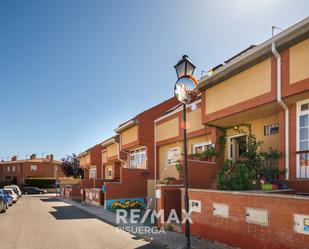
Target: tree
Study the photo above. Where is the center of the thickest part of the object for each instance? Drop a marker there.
(70, 166)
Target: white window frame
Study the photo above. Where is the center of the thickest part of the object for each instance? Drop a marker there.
(13, 168)
(298, 113)
(206, 143)
(172, 149)
(91, 170)
(229, 138)
(137, 151)
(8, 169)
(33, 168)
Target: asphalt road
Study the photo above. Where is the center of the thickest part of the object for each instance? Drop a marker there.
(44, 222)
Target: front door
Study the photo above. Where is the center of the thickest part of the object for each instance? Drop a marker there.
(237, 147)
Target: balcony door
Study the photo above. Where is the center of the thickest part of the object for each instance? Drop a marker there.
(302, 154)
(236, 145)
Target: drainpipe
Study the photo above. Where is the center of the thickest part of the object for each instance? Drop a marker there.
(284, 107)
(155, 165)
(119, 149)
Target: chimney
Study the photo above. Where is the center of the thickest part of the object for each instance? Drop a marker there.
(33, 156)
(14, 158)
(51, 157)
(47, 157)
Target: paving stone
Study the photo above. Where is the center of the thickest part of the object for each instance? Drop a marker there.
(170, 239)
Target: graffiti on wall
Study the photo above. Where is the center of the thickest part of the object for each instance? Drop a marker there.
(126, 203)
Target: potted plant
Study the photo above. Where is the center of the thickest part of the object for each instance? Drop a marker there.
(195, 156)
(179, 168)
(166, 180)
(211, 154)
(266, 185)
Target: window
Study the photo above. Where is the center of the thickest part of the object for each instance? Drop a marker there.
(8, 169)
(33, 167)
(303, 120)
(271, 129)
(138, 158)
(302, 168)
(13, 168)
(173, 155)
(93, 172)
(200, 147)
(109, 172)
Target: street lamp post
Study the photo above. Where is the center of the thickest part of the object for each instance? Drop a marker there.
(185, 91)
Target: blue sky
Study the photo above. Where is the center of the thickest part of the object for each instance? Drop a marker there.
(71, 71)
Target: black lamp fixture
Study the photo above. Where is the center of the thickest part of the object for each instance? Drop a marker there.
(185, 91)
(184, 67)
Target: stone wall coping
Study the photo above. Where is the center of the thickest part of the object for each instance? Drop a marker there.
(251, 193)
(169, 185)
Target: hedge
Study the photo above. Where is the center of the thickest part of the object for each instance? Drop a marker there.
(41, 182)
(5, 182)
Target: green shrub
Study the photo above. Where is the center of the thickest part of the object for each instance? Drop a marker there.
(179, 168)
(5, 182)
(237, 177)
(41, 182)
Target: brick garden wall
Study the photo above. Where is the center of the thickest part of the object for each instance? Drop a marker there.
(201, 174)
(93, 196)
(235, 231)
(133, 184)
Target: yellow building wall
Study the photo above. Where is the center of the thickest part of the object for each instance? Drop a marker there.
(112, 150)
(104, 156)
(248, 84)
(107, 167)
(167, 129)
(299, 62)
(258, 130)
(129, 135)
(194, 120)
(84, 160)
(166, 170)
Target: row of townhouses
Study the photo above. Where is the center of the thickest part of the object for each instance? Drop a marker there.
(17, 171)
(266, 86)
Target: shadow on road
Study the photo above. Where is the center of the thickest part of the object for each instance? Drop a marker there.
(52, 199)
(70, 212)
(151, 246)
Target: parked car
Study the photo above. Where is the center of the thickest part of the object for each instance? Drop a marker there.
(3, 205)
(15, 188)
(33, 190)
(11, 193)
(7, 198)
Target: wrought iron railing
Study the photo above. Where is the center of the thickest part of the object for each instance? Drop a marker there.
(302, 164)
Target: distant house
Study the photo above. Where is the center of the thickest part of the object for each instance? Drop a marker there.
(91, 162)
(17, 171)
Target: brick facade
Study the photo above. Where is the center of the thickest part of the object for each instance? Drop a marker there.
(95, 160)
(20, 170)
(234, 230)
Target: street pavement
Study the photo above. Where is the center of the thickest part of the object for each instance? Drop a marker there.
(45, 222)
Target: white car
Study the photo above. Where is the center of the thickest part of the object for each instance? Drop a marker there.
(15, 188)
(10, 192)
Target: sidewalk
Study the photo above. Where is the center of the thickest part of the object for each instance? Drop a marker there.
(170, 239)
